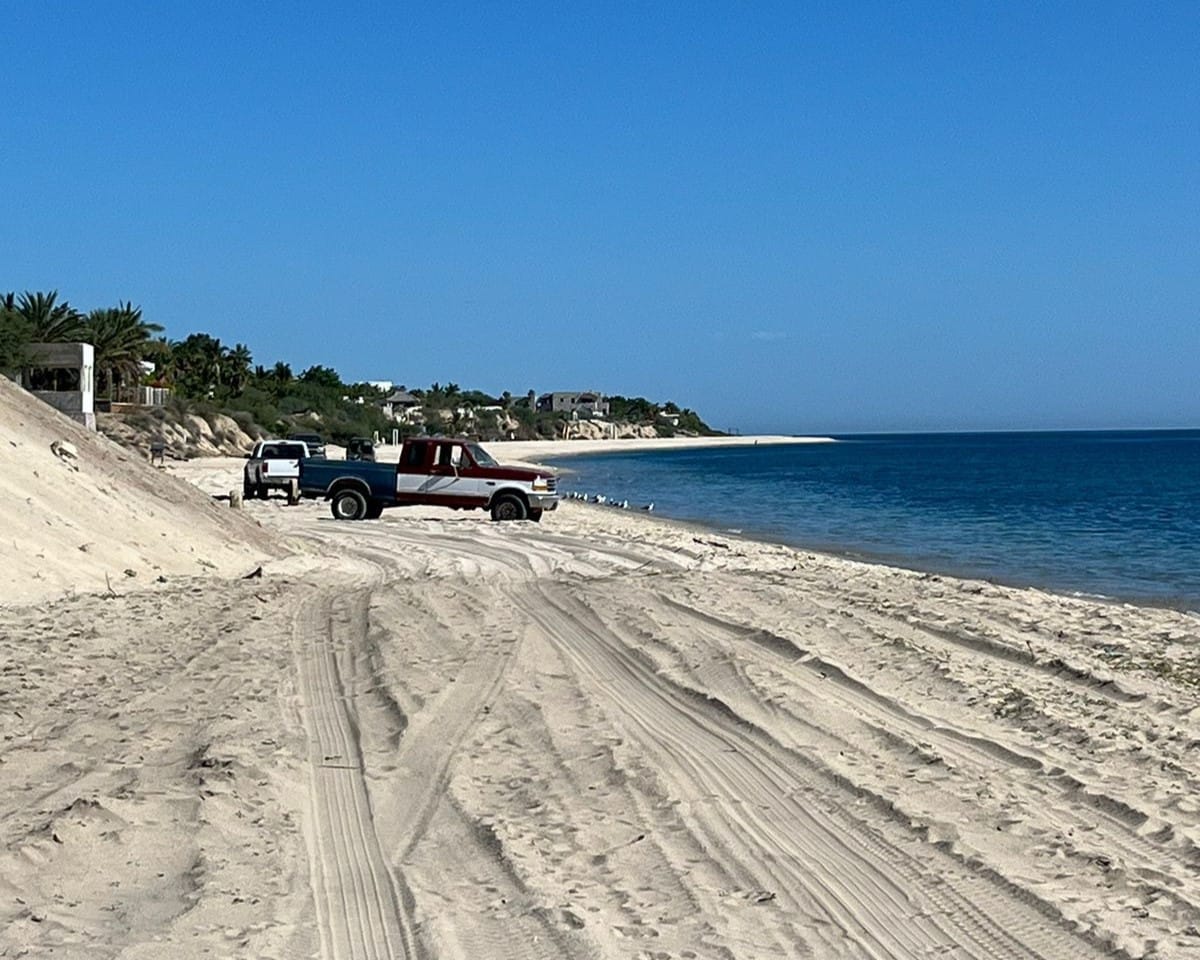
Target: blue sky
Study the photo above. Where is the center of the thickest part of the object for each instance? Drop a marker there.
(795, 217)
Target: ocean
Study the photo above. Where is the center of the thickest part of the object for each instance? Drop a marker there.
(1107, 513)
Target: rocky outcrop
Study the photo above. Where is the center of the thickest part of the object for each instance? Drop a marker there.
(608, 430)
(183, 437)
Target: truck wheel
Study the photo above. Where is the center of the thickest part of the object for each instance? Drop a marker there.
(263, 491)
(247, 490)
(348, 505)
(374, 510)
(535, 516)
(508, 506)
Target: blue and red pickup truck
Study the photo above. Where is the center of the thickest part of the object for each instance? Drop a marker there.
(431, 470)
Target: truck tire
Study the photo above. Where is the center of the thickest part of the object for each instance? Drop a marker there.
(535, 516)
(263, 492)
(247, 489)
(348, 505)
(508, 506)
(374, 510)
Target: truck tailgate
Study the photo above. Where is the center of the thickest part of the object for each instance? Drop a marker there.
(281, 469)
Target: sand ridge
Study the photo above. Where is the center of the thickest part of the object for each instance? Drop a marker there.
(98, 516)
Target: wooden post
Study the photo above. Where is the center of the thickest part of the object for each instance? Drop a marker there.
(235, 499)
(293, 492)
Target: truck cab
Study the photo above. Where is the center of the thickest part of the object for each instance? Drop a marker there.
(462, 474)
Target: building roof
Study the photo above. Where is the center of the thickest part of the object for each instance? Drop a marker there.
(400, 396)
(594, 394)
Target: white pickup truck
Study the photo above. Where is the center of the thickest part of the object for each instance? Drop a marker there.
(272, 463)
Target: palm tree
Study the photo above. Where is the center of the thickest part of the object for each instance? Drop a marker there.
(16, 333)
(196, 364)
(121, 339)
(52, 322)
(215, 361)
(159, 350)
(237, 367)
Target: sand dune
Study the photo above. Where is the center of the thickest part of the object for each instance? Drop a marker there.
(604, 735)
(81, 522)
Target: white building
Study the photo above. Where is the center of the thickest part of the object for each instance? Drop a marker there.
(64, 376)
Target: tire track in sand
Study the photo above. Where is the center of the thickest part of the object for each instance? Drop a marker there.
(856, 890)
(358, 907)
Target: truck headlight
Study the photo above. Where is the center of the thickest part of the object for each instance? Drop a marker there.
(541, 485)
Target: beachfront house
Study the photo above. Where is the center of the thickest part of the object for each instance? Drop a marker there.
(63, 375)
(400, 405)
(586, 402)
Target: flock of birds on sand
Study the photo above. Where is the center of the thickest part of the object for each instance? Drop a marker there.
(605, 501)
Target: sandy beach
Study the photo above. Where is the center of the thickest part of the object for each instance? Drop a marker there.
(605, 735)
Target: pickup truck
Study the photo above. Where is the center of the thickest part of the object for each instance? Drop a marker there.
(272, 463)
(431, 470)
(316, 446)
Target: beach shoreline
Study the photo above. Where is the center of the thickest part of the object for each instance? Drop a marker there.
(525, 716)
(217, 475)
(524, 450)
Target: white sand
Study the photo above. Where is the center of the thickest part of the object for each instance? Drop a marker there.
(81, 523)
(535, 450)
(604, 735)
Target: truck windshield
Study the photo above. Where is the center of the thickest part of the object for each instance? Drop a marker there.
(481, 457)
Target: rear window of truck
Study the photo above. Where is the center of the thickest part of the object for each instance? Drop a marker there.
(283, 451)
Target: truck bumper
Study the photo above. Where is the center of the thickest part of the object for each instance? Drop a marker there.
(543, 501)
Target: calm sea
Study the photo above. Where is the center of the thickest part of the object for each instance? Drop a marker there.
(1109, 513)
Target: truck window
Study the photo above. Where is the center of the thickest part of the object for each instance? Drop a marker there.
(414, 455)
(480, 456)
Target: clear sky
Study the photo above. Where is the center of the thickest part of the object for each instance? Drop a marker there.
(795, 217)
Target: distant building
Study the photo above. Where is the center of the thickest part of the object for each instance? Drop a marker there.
(399, 405)
(575, 401)
(63, 375)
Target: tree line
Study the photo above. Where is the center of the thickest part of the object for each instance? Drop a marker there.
(206, 376)
(119, 335)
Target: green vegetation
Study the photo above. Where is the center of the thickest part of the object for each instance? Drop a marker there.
(120, 336)
(667, 419)
(16, 333)
(206, 377)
